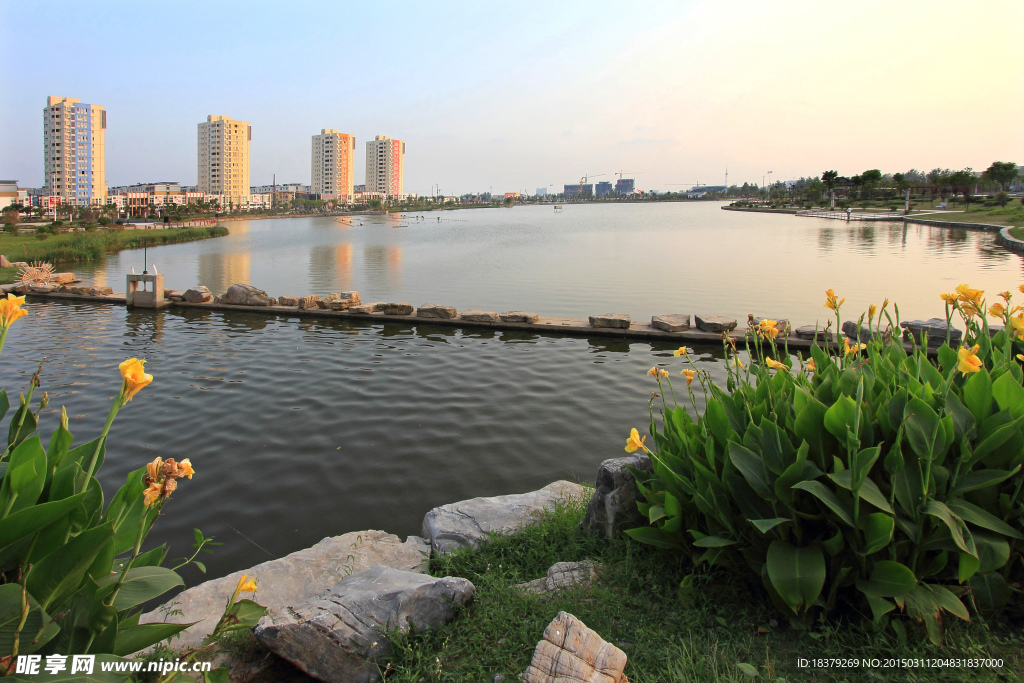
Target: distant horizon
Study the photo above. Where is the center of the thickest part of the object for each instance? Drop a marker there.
(671, 94)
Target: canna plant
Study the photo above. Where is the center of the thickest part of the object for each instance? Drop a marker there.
(869, 479)
(73, 574)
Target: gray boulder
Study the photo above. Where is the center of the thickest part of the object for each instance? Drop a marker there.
(197, 295)
(612, 320)
(863, 335)
(402, 308)
(242, 294)
(519, 317)
(292, 579)
(715, 323)
(612, 508)
(477, 316)
(810, 331)
(436, 311)
(562, 576)
(341, 634)
(676, 322)
(468, 523)
(934, 327)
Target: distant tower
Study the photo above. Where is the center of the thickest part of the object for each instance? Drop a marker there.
(224, 158)
(726, 177)
(385, 166)
(75, 151)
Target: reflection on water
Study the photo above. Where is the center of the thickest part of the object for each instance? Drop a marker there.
(642, 259)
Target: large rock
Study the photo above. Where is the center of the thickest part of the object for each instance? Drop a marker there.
(4, 263)
(572, 653)
(436, 311)
(612, 508)
(675, 322)
(861, 335)
(340, 635)
(197, 295)
(935, 328)
(366, 309)
(245, 295)
(519, 317)
(310, 301)
(288, 301)
(811, 331)
(475, 315)
(468, 523)
(402, 308)
(612, 320)
(715, 323)
(62, 278)
(293, 578)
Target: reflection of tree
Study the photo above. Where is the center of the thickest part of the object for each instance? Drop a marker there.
(219, 271)
(826, 239)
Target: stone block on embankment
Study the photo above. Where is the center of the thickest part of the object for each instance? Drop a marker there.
(935, 328)
(611, 320)
(715, 323)
(340, 635)
(468, 523)
(675, 322)
(612, 509)
(809, 332)
(288, 300)
(570, 652)
(864, 334)
(367, 308)
(310, 301)
(242, 294)
(341, 301)
(519, 317)
(173, 294)
(62, 278)
(401, 308)
(197, 295)
(475, 315)
(292, 579)
(436, 311)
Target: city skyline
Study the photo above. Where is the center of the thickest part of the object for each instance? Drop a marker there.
(674, 93)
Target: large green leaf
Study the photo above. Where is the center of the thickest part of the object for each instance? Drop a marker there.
(766, 525)
(26, 477)
(752, 469)
(25, 523)
(991, 592)
(977, 395)
(37, 630)
(59, 573)
(961, 536)
(878, 528)
(993, 551)
(141, 584)
(924, 433)
(971, 513)
(869, 490)
(134, 638)
(889, 579)
(1009, 394)
(980, 479)
(654, 536)
(840, 416)
(798, 574)
(829, 498)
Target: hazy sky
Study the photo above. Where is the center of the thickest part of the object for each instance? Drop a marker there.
(516, 96)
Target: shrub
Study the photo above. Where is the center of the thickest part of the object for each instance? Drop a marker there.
(11, 216)
(104, 221)
(11, 228)
(1002, 199)
(872, 482)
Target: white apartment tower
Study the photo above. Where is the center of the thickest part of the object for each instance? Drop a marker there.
(333, 165)
(75, 151)
(224, 158)
(385, 166)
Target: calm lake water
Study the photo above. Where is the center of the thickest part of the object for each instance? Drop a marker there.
(306, 428)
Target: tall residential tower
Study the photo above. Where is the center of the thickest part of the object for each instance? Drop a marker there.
(224, 158)
(334, 165)
(385, 166)
(75, 151)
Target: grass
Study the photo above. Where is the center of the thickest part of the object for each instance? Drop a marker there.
(62, 248)
(704, 634)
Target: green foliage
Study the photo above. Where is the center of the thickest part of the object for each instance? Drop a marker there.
(872, 483)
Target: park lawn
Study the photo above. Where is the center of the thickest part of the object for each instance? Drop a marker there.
(63, 248)
(993, 215)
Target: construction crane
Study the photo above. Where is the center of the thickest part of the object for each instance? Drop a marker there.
(621, 173)
(583, 181)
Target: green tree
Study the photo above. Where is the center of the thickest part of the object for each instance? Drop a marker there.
(11, 216)
(829, 178)
(900, 181)
(870, 180)
(1002, 172)
(963, 182)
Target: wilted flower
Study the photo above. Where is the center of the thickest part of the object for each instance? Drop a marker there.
(774, 364)
(968, 360)
(11, 310)
(689, 374)
(832, 301)
(634, 442)
(133, 372)
(152, 493)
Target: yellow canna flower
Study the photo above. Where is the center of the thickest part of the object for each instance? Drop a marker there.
(968, 359)
(653, 372)
(634, 442)
(1017, 323)
(767, 329)
(681, 351)
(949, 298)
(996, 310)
(884, 304)
(1020, 356)
(152, 493)
(849, 348)
(1006, 295)
(969, 295)
(11, 310)
(1021, 288)
(245, 584)
(135, 378)
(832, 301)
(871, 312)
(811, 367)
(689, 374)
(774, 364)
(737, 362)
(185, 468)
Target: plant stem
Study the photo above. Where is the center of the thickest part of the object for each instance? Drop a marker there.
(102, 440)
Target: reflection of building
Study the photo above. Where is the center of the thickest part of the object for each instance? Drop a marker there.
(224, 158)
(219, 271)
(333, 165)
(385, 166)
(624, 186)
(74, 160)
(603, 188)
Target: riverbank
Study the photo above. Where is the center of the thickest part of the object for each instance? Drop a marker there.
(63, 248)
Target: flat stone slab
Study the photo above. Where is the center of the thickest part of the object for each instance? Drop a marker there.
(292, 579)
(809, 332)
(518, 317)
(288, 300)
(572, 653)
(715, 323)
(563, 576)
(341, 634)
(936, 330)
(402, 308)
(368, 308)
(468, 523)
(613, 320)
(674, 322)
(436, 311)
(475, 315)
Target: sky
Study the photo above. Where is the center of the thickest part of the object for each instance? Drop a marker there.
(521, 95)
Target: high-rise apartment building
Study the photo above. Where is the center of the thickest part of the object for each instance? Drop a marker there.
(224, 158)
(75, 151)
(385, 166)
(333, 165)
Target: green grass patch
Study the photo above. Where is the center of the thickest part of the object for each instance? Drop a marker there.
(69, 247)
(702, 634)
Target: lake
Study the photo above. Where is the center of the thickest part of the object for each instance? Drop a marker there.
(302, 428)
